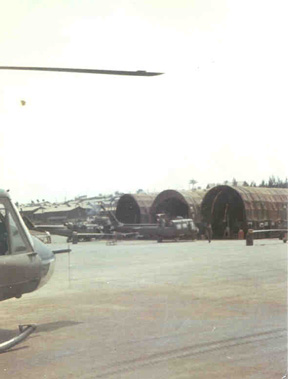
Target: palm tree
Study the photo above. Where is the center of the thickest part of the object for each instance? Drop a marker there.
(192, 182)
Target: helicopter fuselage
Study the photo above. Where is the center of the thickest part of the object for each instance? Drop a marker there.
(25, 262)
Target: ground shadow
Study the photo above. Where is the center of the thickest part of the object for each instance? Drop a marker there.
(6, 334)
(49, 327)
(14, 349)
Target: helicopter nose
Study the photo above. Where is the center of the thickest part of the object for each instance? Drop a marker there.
(47, 269)
(47, 259)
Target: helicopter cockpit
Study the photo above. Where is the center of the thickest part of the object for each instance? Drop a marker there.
(13, 239)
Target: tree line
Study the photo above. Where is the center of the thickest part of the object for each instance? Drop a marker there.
(272, 182)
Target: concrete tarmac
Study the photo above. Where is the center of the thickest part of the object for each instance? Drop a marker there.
(183, 310)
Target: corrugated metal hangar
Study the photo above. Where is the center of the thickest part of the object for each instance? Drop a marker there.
(232, 207)
(244, 207)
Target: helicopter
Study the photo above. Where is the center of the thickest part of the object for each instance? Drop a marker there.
(26, 263)
(179, 228)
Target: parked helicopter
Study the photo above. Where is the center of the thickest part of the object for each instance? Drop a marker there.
(26, 263)
(163, 230)
(59, 230)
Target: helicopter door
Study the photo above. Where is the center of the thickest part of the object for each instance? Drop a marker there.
(19, 266)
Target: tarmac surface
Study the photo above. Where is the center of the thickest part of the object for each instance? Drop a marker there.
(149, 310)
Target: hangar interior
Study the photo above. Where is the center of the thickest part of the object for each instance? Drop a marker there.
(223, 207)
(174, 203)
(172, 207)
(128, 210)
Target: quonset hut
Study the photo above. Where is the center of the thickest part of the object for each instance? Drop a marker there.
(173, 203)
(135, 209)
(243, 208)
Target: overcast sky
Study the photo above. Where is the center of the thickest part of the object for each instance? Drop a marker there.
(219, 111)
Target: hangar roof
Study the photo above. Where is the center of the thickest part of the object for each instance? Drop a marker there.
(259, 203)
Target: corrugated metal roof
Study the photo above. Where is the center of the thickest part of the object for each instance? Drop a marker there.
(31, 208)
(264, 203)
(144, 200)
(260, 204)
(58, 208)
(193, 197)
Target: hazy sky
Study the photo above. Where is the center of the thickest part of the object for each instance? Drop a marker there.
(219, 111)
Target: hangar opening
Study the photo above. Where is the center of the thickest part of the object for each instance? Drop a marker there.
(128, 210)
(224, 208)
(173, 203)
(135, 209)
(172, 207)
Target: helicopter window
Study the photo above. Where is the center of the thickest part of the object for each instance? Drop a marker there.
(18, 245)
(3, 232)
(191, 225)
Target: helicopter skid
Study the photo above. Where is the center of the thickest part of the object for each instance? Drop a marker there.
(25, 331)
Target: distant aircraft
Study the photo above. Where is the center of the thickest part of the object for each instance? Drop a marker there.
(176, 229)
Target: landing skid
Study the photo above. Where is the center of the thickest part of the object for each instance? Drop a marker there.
(25, 331)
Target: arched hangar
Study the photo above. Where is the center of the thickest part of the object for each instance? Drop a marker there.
(244, 207)
(178, 203)
(135, 209)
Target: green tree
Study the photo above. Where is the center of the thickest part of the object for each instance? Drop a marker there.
(272, 181)
(192, 182)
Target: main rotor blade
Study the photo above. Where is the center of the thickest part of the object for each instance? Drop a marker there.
(83, 71)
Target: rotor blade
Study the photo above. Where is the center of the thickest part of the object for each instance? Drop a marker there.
(83, 71)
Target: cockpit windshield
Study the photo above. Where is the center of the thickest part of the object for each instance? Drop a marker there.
(22, 224)
(3, 231)
(14, 238)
